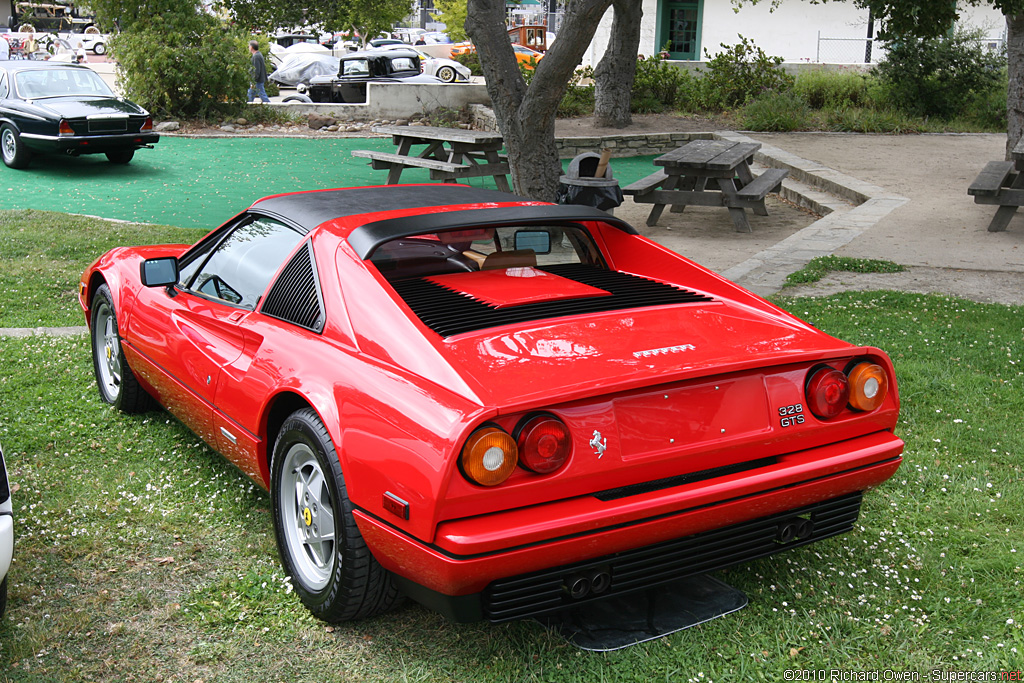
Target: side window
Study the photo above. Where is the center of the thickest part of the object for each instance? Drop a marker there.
(4, 88)
(238, 270)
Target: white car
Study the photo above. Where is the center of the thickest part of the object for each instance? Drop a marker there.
(447, 70)
(6, 532)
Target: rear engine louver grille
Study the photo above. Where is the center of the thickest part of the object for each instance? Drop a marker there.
(449, 313)
(632, 570)
(295, 297)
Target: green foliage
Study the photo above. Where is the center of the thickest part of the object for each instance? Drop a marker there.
(939, 76)
(470, 60)
(776, 111)
(659, 86)
(821, 266)
(823, 89)
(129, 13)
(185, 66)
(870, 120)
(453, 16)
(579, 96)
(740, 73)
(367, 17)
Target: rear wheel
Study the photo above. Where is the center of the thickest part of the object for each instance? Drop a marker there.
(298, 98)
(121, 156)
(332, 570)
(115, 379)
(13, 150)
(99, 48)
(3, 596)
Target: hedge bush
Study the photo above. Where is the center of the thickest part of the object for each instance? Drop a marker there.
(183, 65)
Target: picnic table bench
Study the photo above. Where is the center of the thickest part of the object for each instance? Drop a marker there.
(450, 154)
(708, 173)
(1001, 183)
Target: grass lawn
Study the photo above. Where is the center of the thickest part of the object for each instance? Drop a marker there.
(143, 556)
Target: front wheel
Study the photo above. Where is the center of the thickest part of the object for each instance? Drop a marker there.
(120, 156)
(446, 74)
(99, 48)
(332, 570)
(298, 98)
(15, 153)
(115, 379)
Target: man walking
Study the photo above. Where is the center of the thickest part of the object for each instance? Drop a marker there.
(259, 74)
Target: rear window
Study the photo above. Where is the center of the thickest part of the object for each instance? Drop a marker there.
(465, 251)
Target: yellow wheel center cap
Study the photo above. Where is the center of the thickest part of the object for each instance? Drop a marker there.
(307, 516)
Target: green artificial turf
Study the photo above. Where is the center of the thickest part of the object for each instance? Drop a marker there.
(201, 182)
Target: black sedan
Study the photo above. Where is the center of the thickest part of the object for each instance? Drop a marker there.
(67, 108)
(359, 68)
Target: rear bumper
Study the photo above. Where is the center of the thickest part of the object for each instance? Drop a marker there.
(457, 573)
(89, 144)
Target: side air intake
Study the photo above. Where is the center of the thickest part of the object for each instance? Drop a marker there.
(295, 296)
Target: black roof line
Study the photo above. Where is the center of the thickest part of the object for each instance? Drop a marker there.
(366, 238)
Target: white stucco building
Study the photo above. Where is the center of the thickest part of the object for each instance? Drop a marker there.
(797, 31)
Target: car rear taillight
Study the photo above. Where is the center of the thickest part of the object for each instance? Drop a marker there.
(65, 128)
(828, 392)
(147, 124)
(544, 444)
(489, 456)
(868, 386)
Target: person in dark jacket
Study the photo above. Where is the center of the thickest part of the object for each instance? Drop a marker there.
(259, 74)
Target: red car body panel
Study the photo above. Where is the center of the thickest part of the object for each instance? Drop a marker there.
(666, 391)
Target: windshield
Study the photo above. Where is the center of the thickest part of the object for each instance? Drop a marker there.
(39, 83)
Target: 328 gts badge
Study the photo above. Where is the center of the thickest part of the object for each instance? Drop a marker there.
(791, 415)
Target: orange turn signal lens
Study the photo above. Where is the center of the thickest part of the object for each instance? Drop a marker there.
(489, 456)
(65, 128)
(868, 386)
(147, 124)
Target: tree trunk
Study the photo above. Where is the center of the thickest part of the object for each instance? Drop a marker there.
(614, 76)
(1015, 90)
(526, 114)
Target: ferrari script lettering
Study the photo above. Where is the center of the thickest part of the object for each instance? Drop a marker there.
(665, 349)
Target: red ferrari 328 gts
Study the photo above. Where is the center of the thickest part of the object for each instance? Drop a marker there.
(496, 406)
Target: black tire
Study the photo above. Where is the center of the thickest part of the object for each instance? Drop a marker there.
(121, 156)
(14, 152)
(99, 48)
(298, 98)
(337, 578)
(446, 74)
(117, 383)
(3, 597)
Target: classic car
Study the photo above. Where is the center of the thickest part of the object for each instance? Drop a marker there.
(6, 531)
(496, 406)
(66, 108)
(447, 70)
(356, 69)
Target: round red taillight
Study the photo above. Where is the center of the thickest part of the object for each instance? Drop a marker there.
(868, 386)
(544, 444)
(828, 392)
(489, 456)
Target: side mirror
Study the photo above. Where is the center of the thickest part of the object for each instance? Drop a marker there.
(537, 240)
(159, 272)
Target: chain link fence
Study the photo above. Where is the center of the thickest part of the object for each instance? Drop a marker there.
(872, 51)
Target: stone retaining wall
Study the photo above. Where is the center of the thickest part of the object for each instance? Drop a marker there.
(635, 145)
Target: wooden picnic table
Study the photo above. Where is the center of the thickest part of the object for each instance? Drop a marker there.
(1001, 183)
(708, 173)
(450, 154)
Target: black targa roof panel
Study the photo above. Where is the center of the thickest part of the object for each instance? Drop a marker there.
(311, 209)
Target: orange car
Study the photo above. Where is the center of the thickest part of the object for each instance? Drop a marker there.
(524, 55)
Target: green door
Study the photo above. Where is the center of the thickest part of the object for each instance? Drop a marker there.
(680, 29)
